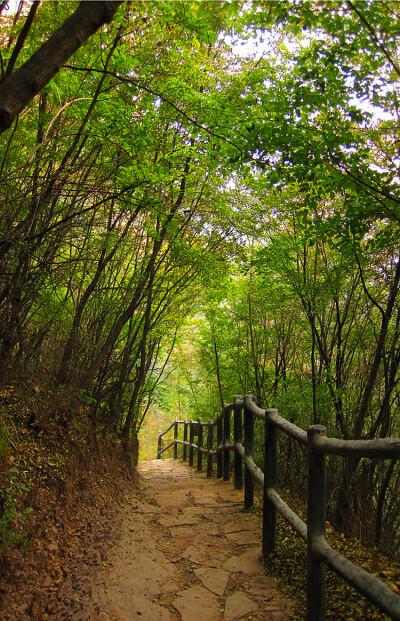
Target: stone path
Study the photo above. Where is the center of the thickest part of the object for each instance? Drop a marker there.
(188, 552)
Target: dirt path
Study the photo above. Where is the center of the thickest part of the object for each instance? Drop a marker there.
(187, 551)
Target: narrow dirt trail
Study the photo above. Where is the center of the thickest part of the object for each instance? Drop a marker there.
(187, 552)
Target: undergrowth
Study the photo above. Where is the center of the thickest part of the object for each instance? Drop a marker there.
(12, 516)
(288, 565)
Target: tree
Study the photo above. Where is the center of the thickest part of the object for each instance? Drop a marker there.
(19, 87)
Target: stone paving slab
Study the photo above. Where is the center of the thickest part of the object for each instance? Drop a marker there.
(215, 580)
(241, 523)
(243, 538)
(197, 603)
(237, 606)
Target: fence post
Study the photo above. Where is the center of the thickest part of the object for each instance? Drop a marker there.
(184, 452)
(199, 447)
(227, 453)
(316, 520)
(159, 445)
(219, 442)
(237, 438)
(210, 443)
(191, 437)
(248, 452)
(270, 479)
(175, 439)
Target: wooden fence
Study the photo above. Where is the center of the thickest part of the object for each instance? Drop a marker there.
(319, 552)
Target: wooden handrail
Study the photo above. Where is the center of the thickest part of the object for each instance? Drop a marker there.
(219, 446)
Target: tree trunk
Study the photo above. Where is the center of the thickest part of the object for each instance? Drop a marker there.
(381, 501)
(379, 351)
(217, 368)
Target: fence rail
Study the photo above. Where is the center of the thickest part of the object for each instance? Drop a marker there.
(247, 473)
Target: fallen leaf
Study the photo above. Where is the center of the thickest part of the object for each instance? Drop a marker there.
(47, 581)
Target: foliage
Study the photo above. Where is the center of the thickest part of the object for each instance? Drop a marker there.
(11, 513)
(181, 222)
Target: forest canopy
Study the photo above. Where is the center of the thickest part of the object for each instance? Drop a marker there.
(200, 199)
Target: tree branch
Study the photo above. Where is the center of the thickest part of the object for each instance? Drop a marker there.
(375, 37)
(21, 39)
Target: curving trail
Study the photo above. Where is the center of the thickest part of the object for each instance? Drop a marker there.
(187, 551)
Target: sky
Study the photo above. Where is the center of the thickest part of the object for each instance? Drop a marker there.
(12, 6)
